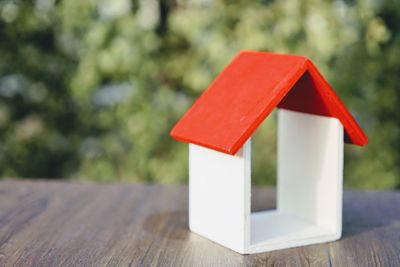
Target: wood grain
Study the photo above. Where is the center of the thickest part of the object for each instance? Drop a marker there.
(72, 224)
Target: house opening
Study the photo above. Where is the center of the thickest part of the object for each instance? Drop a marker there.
(308, 167)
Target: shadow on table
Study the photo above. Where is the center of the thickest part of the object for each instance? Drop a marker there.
(369, 211)
(170, 225)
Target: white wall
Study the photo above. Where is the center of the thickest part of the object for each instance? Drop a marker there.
(310, 168)
(219, 196)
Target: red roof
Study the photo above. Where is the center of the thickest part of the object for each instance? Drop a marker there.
(246, 92)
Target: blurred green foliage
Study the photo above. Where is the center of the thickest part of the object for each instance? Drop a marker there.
(90, 89)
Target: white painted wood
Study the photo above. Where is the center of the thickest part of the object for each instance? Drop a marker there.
(273, 230)
(309, 204)
(219, 196)
(310, 179)
(310, 168)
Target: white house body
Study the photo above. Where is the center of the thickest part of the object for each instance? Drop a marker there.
(309, 197)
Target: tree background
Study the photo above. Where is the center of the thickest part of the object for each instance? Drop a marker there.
(90, 89)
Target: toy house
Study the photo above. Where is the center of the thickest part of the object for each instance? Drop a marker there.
(312, 125)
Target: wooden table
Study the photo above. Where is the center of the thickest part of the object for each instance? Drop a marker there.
(72, 224)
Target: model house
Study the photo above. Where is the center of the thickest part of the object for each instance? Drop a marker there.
(312, 126)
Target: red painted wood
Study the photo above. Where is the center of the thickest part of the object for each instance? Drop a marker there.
(246, 92)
